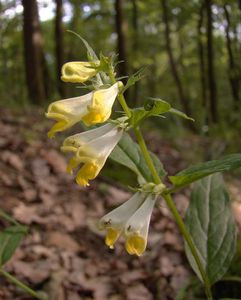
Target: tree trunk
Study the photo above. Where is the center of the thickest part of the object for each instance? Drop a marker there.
(59, 45)
(135, 47)
(121, 28)
(202, 58)
(234, 81)
(33, 52)
(210, 59)
(173, 66)
(239, 5)
(76, 26)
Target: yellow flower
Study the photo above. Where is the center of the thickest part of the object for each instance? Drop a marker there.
(136, 229)
(92, 108)
(78, 71)
(114, 222)
(91, 149)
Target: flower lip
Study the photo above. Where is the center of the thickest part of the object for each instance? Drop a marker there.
(135, 245)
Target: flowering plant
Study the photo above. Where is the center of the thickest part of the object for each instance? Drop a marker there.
(208, 230)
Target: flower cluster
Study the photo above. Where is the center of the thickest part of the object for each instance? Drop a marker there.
(90, 150)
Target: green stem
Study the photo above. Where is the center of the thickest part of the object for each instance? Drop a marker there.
(165, 195)
(21, 285)
(147, 156)
(138, 133)
(189, 241)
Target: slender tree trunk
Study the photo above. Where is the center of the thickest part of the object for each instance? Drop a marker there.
(135, 47)
(239, 5)
(121, 28)
(33, 52)
(210, 59)
(202, 57)
(59, 45)
(76, 26)
(173, 66)
(234, 81)
(181, 51)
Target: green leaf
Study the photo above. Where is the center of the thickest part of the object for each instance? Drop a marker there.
(226, 163)
(211, 225)
(10, 238)
(128, 154)
(133, 79)
(153, 107)
(90, 52)
(180, 114)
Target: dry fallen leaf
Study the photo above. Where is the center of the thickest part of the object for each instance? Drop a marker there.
(62, 241)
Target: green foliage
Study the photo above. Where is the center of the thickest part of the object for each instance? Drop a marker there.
(211, 225)
(153, 107)
(128, 154)
(133, 79)
(227, 163)
(10, 239)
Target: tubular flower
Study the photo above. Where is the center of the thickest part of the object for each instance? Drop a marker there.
(91, 149)
(114, 222)
(136, 229)
(92, 108)
(78, 71)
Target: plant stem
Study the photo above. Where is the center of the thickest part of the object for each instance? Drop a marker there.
(138, 134)
(147, 156)
(21, 285)
(167, 197)
(189, 241)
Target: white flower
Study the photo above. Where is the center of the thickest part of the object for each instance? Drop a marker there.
(79, 71)
(92, 108)
(91, 148)
(136, 228)
(114, 222)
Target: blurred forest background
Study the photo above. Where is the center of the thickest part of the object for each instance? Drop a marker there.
(192, 51)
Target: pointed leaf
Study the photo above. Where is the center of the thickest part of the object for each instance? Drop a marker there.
(90, 52)
(133, 79)
(226, 163)
(211, 225)
(10, 238)
(180, 114)
(128, 153)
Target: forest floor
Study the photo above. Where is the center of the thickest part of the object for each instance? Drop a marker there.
(64, 253)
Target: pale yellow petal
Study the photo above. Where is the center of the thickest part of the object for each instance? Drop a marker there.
(78, 72)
